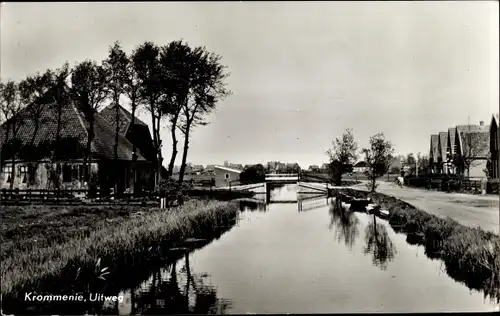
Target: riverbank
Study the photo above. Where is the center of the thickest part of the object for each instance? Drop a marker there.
(470, 255)
(43, 244)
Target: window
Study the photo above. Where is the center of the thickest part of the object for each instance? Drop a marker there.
(67, 173)
(226, 176)
(23, 173)
(7, 171)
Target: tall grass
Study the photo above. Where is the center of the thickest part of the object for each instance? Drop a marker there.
(470, 255)
(24, 266)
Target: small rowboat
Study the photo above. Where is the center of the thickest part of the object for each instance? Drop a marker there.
(384, 213)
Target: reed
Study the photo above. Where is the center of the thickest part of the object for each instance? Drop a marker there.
(42, 243)
(470, 255)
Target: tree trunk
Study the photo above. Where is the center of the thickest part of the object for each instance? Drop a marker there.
(86, 159)
(160, 156)
(117, 131)
(184, 154)
(134, 149)
(155, 142)
(13, 177)
(173, 127)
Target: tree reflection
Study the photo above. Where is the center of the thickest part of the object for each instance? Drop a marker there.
(345, 224)
(178, 291)
(252, 205)
(379, 244)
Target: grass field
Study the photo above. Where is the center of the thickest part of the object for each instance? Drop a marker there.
(40, 243)
(470, 255)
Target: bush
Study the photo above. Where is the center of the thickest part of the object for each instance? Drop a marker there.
(492, 186)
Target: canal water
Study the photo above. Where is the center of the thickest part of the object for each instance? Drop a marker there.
(303, 257)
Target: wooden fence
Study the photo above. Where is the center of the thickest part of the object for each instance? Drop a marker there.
(73, 197)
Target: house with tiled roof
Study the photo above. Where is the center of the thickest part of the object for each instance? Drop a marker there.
(494, 146)
(33, 166)
(472, 149)
(433, 153)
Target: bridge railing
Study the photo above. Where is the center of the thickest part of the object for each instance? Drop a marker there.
(282, 175)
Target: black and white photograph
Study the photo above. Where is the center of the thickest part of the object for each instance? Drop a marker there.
(249, 157)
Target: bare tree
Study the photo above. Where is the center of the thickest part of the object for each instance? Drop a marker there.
(11, 107)
(474, 149)
(88, 82)
(343, 155)
(147, 66)
(207, 88)
(378, 158)
(116, 69)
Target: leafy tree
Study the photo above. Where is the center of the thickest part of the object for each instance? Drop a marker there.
(378, 158)
(147, 66)
(89, 85)
(131, 88)
(207, 88)
(253, 174)
(423, 163)
(177, 77)
(395, 170)
(116, 70)
(32, 90)
(342, 156)
(61, 98)
(11, 107)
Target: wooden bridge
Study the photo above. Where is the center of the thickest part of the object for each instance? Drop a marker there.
(283, 178)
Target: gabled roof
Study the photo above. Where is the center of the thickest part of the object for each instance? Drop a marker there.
(495, 120)
(124, 118)
(443, 141)
(227, 169)
(451, 138)
(74, 127)
(434, 146)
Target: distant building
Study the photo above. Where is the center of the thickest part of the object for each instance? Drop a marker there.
(236, 166)
(313, 168)
(360, 167)
(494, 146)
(224, 175)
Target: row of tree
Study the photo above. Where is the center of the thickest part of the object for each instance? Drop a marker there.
(176, 84)
(378, 157)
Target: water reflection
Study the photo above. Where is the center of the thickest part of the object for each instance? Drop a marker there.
(346, 225)
(306, 202)
(378, 244)
(172, 290)
(253, 205)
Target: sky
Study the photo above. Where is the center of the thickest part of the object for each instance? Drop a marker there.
(300, 72)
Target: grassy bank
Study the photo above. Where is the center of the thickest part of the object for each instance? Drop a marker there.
(40, 244)
(470, 255)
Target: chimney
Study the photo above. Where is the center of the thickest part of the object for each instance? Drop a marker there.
(481, 123)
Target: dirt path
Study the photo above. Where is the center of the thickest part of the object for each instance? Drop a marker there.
(470, 210)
